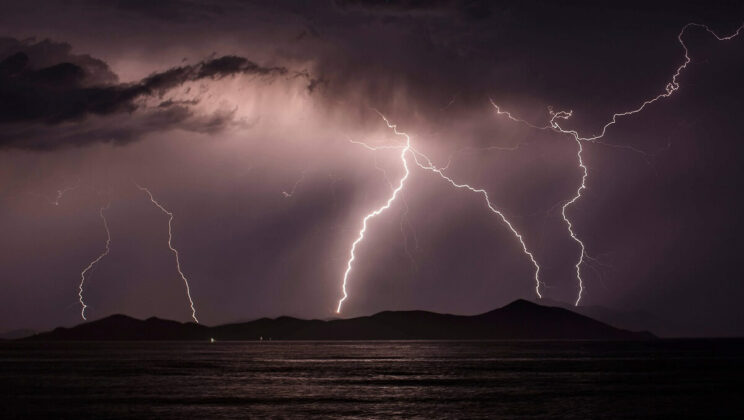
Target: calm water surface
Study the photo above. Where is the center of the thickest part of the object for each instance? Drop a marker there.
(423, 379)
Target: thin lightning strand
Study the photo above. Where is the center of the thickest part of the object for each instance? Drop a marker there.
(430, 167)
(479, 149)
(515, 119)
(404, 150)
(174, 250)
(669, 90)
(290, 193)
(63, 191)
(95, 261)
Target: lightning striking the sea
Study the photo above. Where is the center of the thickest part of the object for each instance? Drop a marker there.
(174, 250)
(95, 261)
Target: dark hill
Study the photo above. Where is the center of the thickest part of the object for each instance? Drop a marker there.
(15, 334)
(122, 328)
(518, 320)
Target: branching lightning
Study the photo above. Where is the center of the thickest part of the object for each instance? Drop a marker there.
(554, 125)
(174, 250)
(407, 151)
(429, 166)
(669, 89)
(95, 261)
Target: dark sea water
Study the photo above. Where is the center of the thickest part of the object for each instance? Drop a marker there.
(421, 379)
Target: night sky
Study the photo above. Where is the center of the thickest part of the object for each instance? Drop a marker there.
(241, 119)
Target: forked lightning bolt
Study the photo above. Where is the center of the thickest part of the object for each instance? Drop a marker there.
(95, 261)
(174, 250)
(669, 89)
(408, 149)
(554, 125)
(423, 162)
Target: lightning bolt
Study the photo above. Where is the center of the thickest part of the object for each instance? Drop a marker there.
(95, 261)
(404, 217)
(429, 166)
(554, 125)
(576, 197)
(352, 256)
(174, 250)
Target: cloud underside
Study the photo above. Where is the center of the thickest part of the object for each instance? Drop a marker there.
(50, 98)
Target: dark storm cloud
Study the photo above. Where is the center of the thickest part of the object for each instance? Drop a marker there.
(169, 10)
(528, 54)
(120, 128)
(43, 86)
(470, 8)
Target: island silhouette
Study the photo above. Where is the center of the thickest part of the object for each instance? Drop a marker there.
(519, 320)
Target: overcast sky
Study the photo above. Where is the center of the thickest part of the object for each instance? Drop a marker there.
(242, 120)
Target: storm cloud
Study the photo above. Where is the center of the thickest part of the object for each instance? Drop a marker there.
(47, 96)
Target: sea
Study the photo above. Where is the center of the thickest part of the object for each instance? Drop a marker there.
(375, 379)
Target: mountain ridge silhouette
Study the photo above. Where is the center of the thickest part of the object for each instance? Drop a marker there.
(520, 319)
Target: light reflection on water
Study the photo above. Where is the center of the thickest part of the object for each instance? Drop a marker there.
(427, 379)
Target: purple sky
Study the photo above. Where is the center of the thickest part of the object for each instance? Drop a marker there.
(221, 108)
